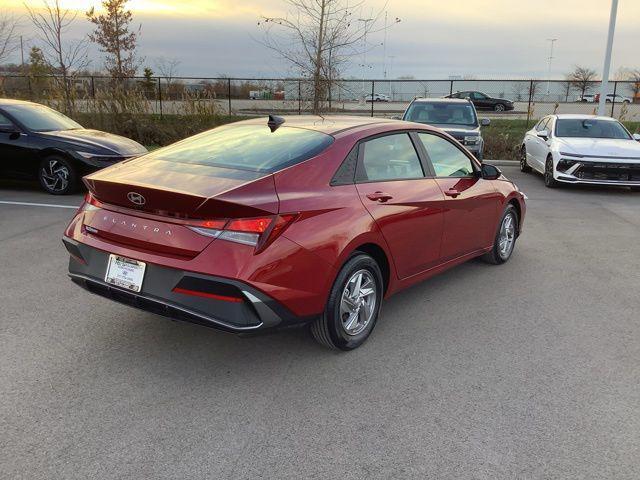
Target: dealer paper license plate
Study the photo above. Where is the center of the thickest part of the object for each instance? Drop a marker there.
(125, 273)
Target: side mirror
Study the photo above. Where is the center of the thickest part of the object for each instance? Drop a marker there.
(490, 172)
(543, 134)
(485, 122)
(636, 137)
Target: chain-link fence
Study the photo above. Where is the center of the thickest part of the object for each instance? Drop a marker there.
(508, 99)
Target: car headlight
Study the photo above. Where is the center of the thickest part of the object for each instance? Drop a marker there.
(471, 140)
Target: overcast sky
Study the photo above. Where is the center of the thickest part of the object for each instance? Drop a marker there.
(435, 39)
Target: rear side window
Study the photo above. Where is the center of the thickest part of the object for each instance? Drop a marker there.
(447, 159)
(247, 147)
(392, 157)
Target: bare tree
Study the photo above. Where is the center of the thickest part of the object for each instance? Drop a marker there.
(631, 75)
(582, 78)
(65, 57)
(168, 68)
(317, 37)
(113, 35)
(8, 35)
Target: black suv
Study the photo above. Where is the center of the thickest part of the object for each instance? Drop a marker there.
(455, 116)
(482, 101)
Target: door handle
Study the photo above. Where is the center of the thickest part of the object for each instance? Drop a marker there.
(379, 197)
(452, 192)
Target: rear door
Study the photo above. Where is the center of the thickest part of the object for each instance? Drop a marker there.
(405, 203)
(471, 203)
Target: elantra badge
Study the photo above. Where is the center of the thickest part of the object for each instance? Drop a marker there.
(135, 197)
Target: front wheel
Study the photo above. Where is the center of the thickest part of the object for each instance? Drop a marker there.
(505, 239)
(353, 306)
(499, 107)
(549, 180)
(57, 175)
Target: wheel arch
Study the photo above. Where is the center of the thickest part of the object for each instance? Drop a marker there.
(376, 252)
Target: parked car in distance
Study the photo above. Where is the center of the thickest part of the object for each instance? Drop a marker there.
(259, 224)
(455, 116)
(377, 97)
(482, 101)
(611, 98)
(39, 142)
(587, 98)
(582, 149)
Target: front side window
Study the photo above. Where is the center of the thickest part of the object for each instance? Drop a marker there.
(392, 157)
(39, 118)
(247, 147)
(5, 122)
(479, 96)
(447, 159)
(590, 128)
(542, 124)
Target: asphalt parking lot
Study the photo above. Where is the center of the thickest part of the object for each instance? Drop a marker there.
(523, 371)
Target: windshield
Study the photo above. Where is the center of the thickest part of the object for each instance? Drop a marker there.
(247, 147)
(590, 128)
(442, 114)
(39, 118)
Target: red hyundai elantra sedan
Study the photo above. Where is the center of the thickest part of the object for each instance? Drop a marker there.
(259, 224)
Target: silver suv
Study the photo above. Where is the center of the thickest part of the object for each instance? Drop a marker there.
(455, 116)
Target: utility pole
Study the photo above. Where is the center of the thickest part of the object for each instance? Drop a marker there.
(604, 86)
(364, 50)
(22, 54)
(552, 41)
(384, 49)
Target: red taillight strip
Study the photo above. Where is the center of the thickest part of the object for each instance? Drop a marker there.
(197, 293)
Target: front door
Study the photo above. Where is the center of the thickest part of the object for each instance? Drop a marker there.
(471, 203)
(14, 151)
(406, 205)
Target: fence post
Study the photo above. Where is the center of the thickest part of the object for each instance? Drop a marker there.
(373, 90)
(93, 88)
(160, 96)
(29, 87)
(613, 100)
(229, 94)
(299, 97)
(451, 88)
(529, 103)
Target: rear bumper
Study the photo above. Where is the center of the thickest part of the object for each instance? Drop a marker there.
(185, 296)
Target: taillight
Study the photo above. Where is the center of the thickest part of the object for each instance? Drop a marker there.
(89, 203)
(256, 232)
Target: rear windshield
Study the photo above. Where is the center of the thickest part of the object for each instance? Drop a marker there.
(247, 147)
(590, 128)
(441, 113)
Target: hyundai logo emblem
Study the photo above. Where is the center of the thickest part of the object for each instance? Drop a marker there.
(135, 197)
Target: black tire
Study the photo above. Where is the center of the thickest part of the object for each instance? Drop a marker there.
(58, 175)
(328, 330)
(499, 107)
(524, 166)
(549, 181)
(495, 257)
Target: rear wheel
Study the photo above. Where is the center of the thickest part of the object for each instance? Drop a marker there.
(524, 166)
(549, 180)
(353, 306)
(505, 240)
(57, 175)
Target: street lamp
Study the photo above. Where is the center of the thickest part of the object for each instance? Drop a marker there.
(604, 86)
(553, 41)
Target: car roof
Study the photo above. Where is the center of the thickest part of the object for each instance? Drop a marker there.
(330, 124)
(12, 101)
(577, 116)
(442, 100)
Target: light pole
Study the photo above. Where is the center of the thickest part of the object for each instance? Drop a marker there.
(364, 49)
(604, 86)
(552, 41)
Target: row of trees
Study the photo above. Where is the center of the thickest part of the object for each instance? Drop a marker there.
(55, 53)
(584, 78)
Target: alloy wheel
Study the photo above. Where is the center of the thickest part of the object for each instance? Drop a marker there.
(499, 108)
(358, 302)
(507, 236)
(55, 175)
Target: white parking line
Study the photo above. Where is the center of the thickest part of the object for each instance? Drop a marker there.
(38, 204)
